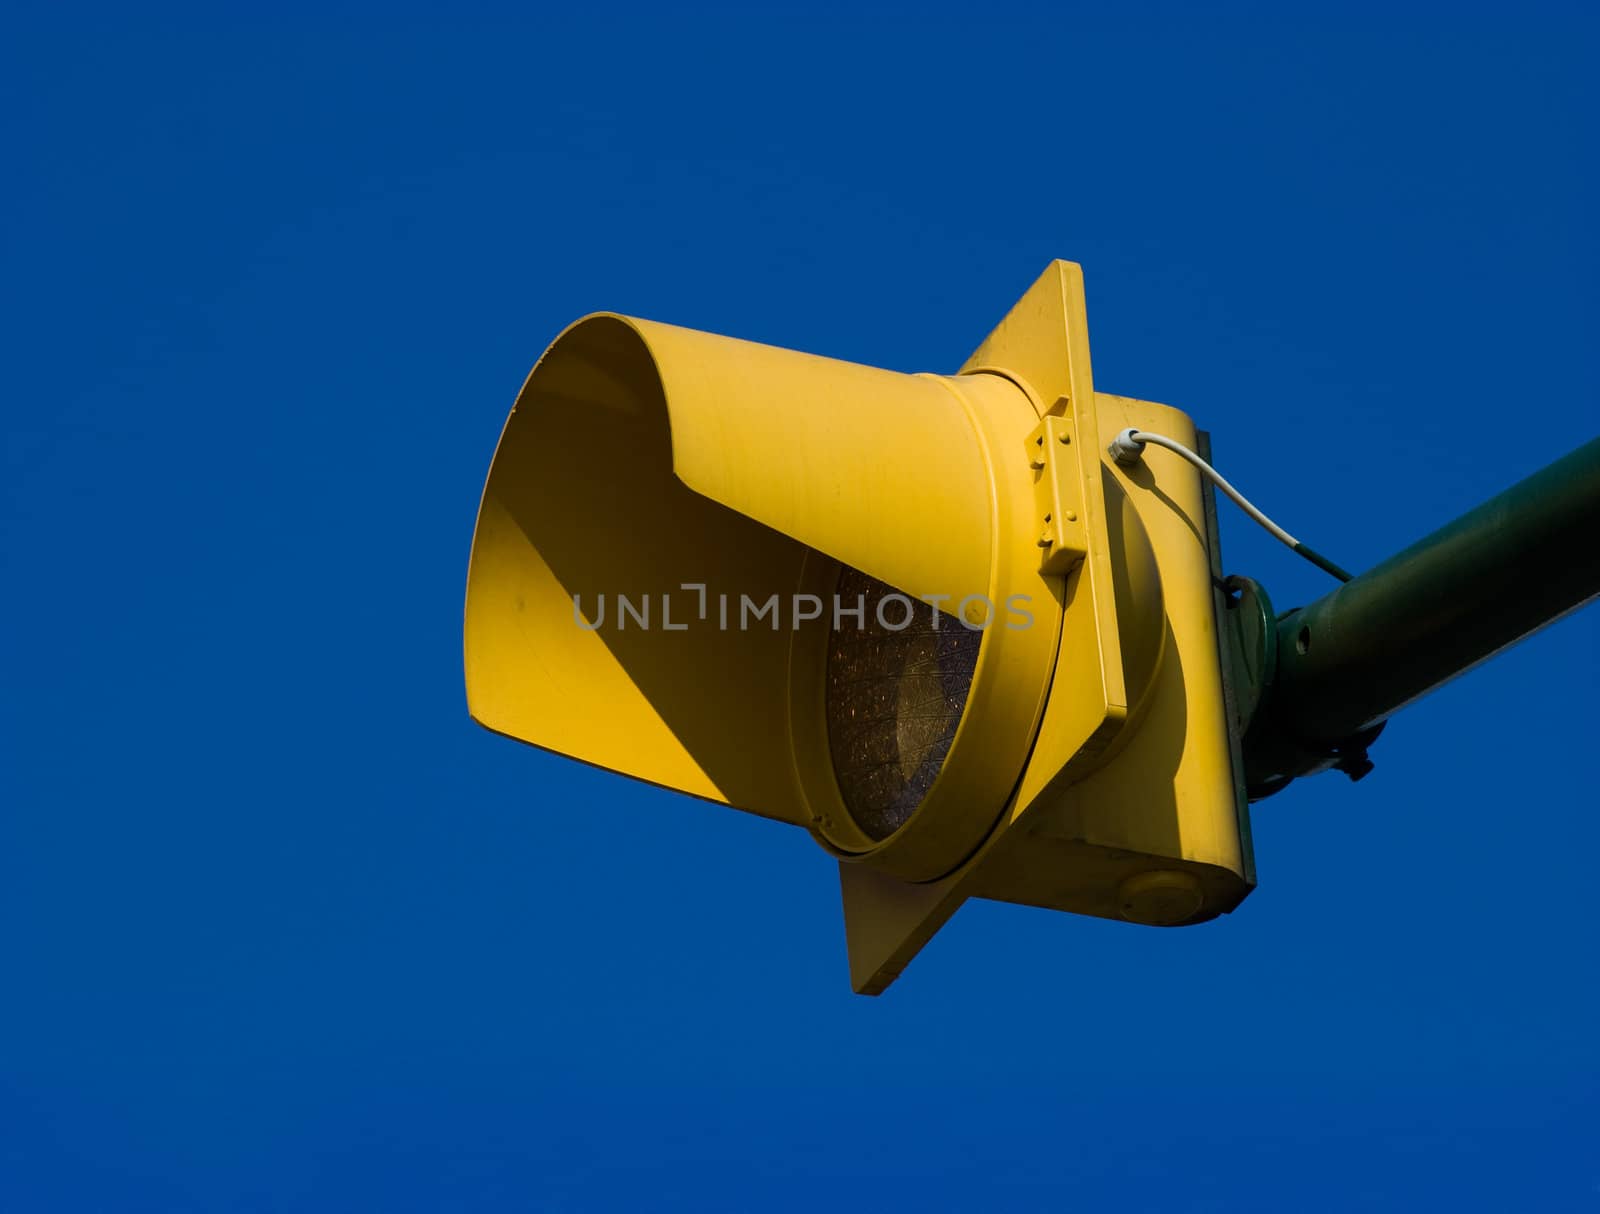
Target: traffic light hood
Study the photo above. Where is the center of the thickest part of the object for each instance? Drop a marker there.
(684, 478)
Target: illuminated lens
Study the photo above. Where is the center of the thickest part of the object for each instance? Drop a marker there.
(895, 696)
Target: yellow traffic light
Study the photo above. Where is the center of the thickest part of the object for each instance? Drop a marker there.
(924, 617)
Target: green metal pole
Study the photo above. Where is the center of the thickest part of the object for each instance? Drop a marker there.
(1348, 661)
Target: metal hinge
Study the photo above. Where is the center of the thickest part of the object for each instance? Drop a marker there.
(1057, 495)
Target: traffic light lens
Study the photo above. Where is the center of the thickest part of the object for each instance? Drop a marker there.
(898, 675)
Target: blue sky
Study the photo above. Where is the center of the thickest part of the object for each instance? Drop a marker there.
(281, 929)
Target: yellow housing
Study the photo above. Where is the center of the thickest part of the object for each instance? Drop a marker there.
(654, 488)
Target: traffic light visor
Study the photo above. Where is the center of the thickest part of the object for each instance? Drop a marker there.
(641, 553)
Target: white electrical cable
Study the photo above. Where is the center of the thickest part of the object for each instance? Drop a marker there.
(1128, 448)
